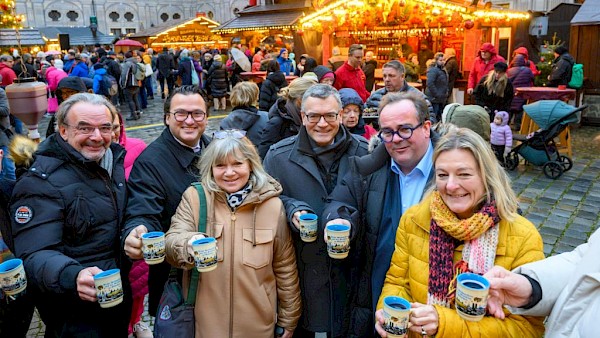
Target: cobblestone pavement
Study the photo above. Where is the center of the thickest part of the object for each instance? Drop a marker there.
(565, 210)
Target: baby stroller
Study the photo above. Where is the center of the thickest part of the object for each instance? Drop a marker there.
(539, 148)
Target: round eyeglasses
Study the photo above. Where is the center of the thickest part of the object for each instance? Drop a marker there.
(404, 132)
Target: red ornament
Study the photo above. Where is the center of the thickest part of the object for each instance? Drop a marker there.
(469, 24)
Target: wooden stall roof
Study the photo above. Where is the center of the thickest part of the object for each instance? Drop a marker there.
(29, 37)
(78, 36)
(172, 25)
(279, 16)
(588, 14)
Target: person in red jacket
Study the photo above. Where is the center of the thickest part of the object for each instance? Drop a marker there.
(7, 75)
(523, 51)
(483, 64)
(350, 74)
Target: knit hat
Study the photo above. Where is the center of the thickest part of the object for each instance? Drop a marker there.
(473, 117)
(281, 51)
(184, 53)
(41, 55)
(58, 63)
(84, 56)
(321, 71)
(500, 66)
(560, 50)
(350, 96)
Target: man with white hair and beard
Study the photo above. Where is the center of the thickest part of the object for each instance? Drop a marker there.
(67, 213)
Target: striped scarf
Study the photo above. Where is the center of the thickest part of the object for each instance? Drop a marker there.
(480, 237)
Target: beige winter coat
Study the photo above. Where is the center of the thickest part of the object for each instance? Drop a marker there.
(255, 284)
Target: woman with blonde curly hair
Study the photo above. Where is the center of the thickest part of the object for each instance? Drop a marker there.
(467, 222)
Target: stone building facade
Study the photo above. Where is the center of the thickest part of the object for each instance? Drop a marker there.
(122, 17)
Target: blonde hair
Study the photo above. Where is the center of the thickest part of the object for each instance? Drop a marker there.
(21, 150)
(494, 87)
(296, 88)
(239, 148)
(496, 182)
(244, 94)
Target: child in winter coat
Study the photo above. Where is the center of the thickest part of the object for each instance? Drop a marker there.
(501, 136)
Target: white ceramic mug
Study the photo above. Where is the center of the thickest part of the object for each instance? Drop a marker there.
(338, 240)
(153, 247)
(109, 289)
(308, 227)
(12, 277)
(471, 296)
(396, 313)
(205, 254)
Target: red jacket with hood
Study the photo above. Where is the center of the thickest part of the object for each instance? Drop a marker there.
(523, 51)
(481, 67)
(349, 77)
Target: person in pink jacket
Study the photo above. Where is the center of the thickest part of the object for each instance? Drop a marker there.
(483, 64)
(138, 275)
(53, 76)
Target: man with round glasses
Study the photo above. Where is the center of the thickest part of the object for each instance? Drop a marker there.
(161, 174)
(379, 188)
(308, 166)
(67, 217)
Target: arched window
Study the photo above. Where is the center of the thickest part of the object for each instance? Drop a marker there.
(114, 16)
(164, 17)
(236, 11)
(72, 15)
(128, 16)
(54, 15)
(211, 15)
(176, 16)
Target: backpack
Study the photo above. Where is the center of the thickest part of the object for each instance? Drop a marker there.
(109, 86)
(576, 76)
(140, 71)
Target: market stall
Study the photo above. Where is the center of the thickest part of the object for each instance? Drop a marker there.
(192, 34)
(394, 28)
(273, 26)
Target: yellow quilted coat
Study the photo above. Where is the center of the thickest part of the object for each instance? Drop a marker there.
(519, 243)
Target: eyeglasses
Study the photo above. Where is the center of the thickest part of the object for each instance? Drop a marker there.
(235, 133)
(182, 115)
(404, 132)
(86, 129)
(315, 118)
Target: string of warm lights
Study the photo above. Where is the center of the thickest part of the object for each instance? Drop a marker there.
(8, 17)
(262, 28)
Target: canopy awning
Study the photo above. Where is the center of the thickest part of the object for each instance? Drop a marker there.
(174, 25)
(588, 14)
(78, 36)
(280, 16)
(28, 37)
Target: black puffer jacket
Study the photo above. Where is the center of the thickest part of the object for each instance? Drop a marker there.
(437, 84)
(217, 79)
(71, 213)
(562, 69)
(269, 89)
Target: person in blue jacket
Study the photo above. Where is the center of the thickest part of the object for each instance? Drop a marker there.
(285, 64)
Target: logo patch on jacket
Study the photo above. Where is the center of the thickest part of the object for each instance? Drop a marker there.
(23, 214)
(165, 314)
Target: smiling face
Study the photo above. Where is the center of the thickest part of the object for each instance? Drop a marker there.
(406, 153)
(188, 131)
(231, 174)
(459, 181)
(93, 146)
(322, 132)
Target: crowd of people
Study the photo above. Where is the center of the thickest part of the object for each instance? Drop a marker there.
(421, 187)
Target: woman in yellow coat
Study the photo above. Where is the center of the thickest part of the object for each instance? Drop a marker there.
(467, 222)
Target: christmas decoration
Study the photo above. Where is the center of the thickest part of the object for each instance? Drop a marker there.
(8, 16)
(546, 58)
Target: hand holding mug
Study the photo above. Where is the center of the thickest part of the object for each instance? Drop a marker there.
(296, 218)
(336, 221)
(189, 247)
(86, 289)
(506, 287)
(424, 319)
(133, 242)
(379, 321)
